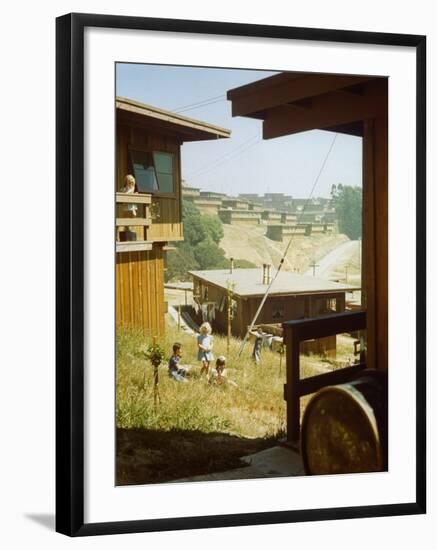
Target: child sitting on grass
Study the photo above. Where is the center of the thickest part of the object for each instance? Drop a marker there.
(175, 371)
(219, 377)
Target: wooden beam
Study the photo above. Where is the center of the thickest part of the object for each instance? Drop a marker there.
(139, 198)
(351, 129)
(338, 376)
(331, 109)
(381, 232)
(368, 296)
(134, 222)
(133, 246)
(289, 90)
(326, 325)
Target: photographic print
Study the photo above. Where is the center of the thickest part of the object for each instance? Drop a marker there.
(240, 274)
(250, 273)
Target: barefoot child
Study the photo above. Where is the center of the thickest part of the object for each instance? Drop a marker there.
(204, 344)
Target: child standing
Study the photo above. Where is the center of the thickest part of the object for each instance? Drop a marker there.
(204, 344)
(257, 346)
(130, 187)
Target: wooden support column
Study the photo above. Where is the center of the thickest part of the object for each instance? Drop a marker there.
(375, 240)
(291, 392)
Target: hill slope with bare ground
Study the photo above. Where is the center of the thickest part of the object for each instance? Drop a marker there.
(250, 243)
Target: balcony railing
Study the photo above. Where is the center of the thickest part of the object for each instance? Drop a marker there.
(296, 332)
(132, 227)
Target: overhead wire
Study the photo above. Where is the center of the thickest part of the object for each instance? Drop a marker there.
(229, 156)
(281, 263)
(214, 99)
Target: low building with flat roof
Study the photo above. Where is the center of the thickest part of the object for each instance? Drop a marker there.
(292, 296)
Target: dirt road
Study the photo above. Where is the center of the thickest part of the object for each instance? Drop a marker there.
(336, 257)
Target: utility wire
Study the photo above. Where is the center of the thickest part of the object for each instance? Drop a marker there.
(199, 106)
(183, 107)
(230, 155)
(281, 263)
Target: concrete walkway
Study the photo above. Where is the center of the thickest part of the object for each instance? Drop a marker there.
(274, 462)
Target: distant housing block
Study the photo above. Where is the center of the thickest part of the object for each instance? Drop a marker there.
(246, 217)
(210, 205)
(238, 204)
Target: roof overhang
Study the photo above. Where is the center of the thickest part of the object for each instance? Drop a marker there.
(167, 122)
(288, 103)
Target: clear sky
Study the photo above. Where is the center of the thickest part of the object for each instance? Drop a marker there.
(244, 163)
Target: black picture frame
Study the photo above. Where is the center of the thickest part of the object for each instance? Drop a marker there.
(70, 272)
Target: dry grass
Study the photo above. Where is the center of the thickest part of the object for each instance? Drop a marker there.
(198, 427)
(253, 409)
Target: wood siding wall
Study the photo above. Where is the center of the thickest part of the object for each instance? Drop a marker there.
(293, 307)
(375, 240)
(168, 227)
(140, 290)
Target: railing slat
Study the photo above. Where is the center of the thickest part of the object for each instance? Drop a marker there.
(307, 329)
(327, 325)
(339, 376)
(128, 198)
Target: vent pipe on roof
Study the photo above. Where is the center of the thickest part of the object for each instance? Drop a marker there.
(266, 274)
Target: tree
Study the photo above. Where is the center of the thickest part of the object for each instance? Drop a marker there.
(209, 255)
(200, 248)
(179, 261)
(199, 227)
(348, 207)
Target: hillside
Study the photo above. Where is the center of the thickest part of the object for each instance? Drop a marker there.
(249, 243)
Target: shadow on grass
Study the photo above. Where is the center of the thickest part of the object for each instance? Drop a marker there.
(154, 456)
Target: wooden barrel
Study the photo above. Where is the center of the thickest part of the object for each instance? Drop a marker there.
(344, 427)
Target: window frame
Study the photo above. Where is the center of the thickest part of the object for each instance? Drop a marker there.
(152, 152)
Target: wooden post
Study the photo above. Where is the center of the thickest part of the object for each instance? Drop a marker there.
(374, 243)
(281, 353)
(292, 386)
(230, 316)
(156, 397)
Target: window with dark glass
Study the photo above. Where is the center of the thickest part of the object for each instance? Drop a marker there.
(154, 172)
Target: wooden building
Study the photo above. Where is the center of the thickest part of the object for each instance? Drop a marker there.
(292, 296)
(288, 103)
(148, 146)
